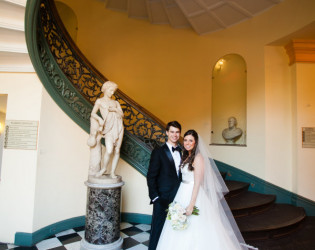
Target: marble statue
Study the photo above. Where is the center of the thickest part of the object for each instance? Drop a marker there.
(232, 133)
(109, 126)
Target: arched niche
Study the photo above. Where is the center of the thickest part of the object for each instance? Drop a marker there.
(68, 18)
(229, 84)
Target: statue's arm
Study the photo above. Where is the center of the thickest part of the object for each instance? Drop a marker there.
(94, 114)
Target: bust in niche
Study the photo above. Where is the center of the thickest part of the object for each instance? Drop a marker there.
(232, 133)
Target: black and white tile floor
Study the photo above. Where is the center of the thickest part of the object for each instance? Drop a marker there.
(136, 237)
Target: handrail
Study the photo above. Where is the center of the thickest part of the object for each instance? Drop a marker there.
(88, 80)
(74, 83)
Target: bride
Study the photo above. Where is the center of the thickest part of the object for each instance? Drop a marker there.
(202, 186)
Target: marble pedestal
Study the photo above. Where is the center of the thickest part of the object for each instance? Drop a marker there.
(102, 226)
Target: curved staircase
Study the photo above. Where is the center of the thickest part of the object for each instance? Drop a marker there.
(266, 224)
(75, 84)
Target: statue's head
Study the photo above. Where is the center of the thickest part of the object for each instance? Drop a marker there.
(109, 85)
(232, 122)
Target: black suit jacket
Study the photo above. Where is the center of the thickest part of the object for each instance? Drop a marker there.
(162, 178)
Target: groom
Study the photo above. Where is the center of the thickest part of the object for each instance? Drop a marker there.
(163, 179)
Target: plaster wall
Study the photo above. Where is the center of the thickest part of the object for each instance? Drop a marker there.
(279, 118)
(305, 100)
(18, 172)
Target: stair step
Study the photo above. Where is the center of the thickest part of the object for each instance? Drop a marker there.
(301, 239)
(12, 41)
(11, 16)
(278, 221)
(235, 188)
(248, 203)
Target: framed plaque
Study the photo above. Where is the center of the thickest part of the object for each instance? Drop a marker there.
(308, 137)
(21, 134)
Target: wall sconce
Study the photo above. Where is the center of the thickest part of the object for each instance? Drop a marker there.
(1, 127)
(219, 64)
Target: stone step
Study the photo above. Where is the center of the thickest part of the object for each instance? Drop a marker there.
(248, 203)
(11, 15)
(278, 221)
(12, 41)
(235, 188)
(303, 238)
(15, 62)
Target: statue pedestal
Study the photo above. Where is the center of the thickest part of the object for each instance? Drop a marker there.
(102, 226)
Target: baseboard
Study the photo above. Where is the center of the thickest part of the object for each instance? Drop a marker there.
(261, 186)
(136, 218)
(30, 239)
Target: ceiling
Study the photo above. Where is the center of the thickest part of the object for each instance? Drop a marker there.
(203, 16)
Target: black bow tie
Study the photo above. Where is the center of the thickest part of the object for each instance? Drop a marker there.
(177, 148)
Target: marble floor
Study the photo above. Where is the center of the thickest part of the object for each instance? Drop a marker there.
(136, 237)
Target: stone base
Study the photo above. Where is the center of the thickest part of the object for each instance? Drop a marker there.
(117, 245)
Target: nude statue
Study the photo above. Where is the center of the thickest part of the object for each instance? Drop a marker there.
(232, 133)
(109, 126)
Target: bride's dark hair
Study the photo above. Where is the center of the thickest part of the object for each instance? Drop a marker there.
(186, 157)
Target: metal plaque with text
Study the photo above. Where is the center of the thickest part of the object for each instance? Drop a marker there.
(21, 134)
(308, 137)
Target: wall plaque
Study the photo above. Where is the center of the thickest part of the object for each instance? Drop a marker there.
(21, 134)
(308, 137)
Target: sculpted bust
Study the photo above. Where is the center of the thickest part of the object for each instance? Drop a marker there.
(232, 133)
(109, 126)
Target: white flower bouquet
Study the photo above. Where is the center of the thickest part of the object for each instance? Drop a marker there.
(176, 214)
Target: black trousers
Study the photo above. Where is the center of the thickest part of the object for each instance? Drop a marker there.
(158, 219)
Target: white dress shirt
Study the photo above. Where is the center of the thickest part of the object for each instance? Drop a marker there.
(176, 156)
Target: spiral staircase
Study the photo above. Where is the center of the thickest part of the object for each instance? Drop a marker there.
(75, 84)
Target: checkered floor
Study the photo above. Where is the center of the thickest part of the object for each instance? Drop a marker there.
(136, 237)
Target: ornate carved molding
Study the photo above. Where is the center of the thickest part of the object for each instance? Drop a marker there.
(300, 50)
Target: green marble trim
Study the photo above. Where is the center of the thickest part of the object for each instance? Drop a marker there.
(136, 218)
(261, 186)
(30, 239)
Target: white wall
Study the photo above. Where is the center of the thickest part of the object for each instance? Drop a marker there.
(279, 119)
(62, 167)
(17, 186)
(305, 101)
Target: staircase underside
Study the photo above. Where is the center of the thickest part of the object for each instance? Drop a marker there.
(203, 16)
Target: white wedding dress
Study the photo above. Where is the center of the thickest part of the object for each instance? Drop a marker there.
(205, 231)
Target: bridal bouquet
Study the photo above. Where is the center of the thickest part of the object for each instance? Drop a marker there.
(176, 214)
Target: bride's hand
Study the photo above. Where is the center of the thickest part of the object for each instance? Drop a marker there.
(189, 210)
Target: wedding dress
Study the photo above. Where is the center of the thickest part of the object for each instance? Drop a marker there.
(214, 228)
